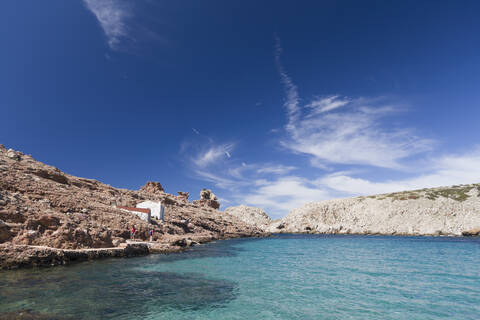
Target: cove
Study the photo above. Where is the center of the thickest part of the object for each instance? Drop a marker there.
(282, 277)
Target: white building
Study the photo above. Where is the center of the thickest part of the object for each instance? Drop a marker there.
(156, 208)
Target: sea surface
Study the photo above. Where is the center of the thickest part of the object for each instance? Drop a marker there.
(282, 277)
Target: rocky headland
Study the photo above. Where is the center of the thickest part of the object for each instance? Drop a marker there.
(48, 217)
(250, 215)
(453, 211)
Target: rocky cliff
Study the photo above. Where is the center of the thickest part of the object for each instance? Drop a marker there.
(43, 207)
(439, 211)
(250, 215)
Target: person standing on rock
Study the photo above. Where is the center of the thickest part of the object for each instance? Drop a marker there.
(150, 233)
(132, 233)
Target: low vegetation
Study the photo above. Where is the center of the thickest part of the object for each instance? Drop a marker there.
(457, 193)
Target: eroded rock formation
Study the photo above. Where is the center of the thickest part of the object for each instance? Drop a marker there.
(207, 199)
(152, 187)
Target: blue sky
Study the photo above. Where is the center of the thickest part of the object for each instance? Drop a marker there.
(271, 104)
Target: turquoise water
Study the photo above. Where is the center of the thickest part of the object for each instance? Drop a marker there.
(283, 277)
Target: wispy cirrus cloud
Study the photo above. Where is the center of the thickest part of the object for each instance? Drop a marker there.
(341, 130)
(324, 104)
(351, 137)
(445, 170)
(112, 15)
(212, 155)
(276, 169)
(275, 188)
(292, 99)
(355, 136)
(128, 26)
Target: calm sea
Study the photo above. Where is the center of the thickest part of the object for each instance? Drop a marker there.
(283, 277)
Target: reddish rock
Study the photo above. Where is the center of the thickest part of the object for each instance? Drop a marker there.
(152, 187)
(49, 221)
(207, 199)
(55, 175)
(42, 206)
(183, 195)
(214, 204)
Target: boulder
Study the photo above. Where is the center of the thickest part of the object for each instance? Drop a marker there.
(49, 221)
(471, 232)
(184, 242)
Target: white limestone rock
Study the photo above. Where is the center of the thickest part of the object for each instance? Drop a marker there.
(251, 215)
(438, 211)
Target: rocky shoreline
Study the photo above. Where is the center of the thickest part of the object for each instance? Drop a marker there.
(49, 218)
(25, 256)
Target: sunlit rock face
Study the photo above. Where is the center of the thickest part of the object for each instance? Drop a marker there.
(207, 199)
(251, 215)
(438, 211)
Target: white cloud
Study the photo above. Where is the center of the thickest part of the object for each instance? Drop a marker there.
(338, 130)
(292, 99)
(219, 180)
(275, 169)
(212, 155)
(444, 171)
(355, 136)
(112, 16)
(253, 184)
(334, 130)
(325, 104)
(279, 196)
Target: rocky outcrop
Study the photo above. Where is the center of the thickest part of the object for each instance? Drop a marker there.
(14, 257)
(207, 199)
(439, 211)
(251, 215)
(471, 232)
(183, 195)
(41, 206)
(152, 187)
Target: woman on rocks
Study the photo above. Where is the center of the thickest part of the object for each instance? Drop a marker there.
(132, 233)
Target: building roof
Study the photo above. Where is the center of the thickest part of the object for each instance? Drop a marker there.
(134, 209)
